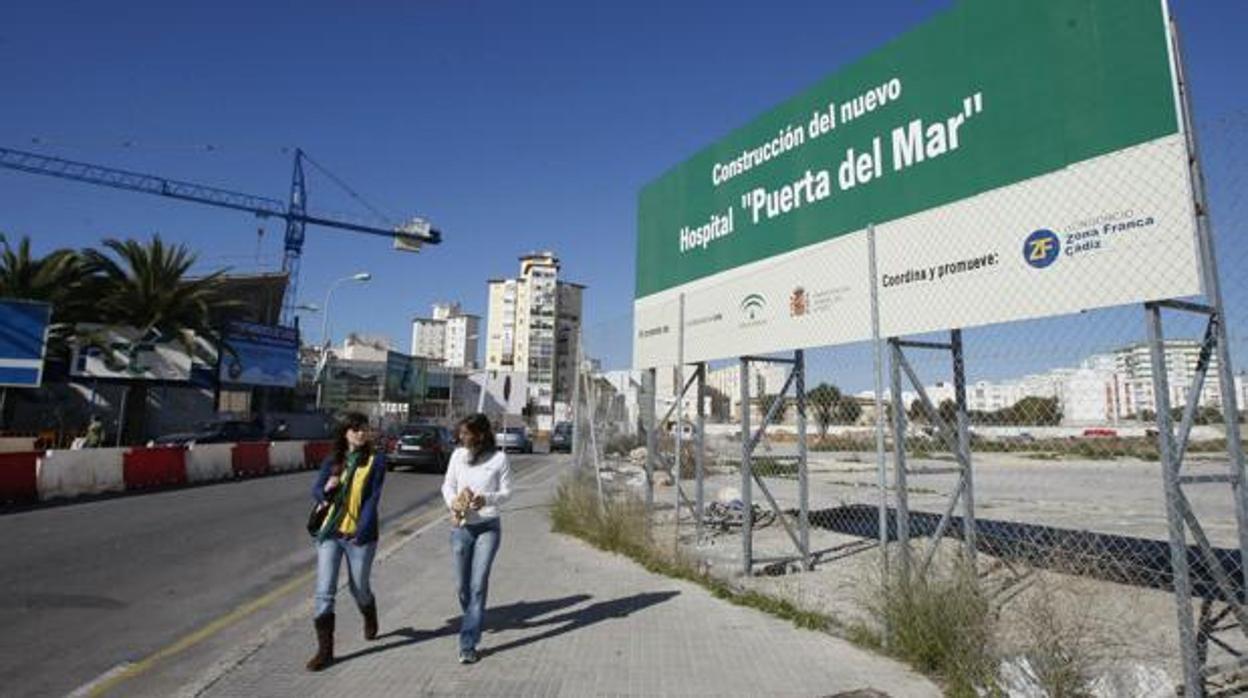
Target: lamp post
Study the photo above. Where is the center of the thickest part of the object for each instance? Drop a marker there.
(360, 277)
(325, 338)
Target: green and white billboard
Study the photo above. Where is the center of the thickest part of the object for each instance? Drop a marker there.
(1017, 159)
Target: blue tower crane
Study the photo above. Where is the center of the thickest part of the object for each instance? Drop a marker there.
(411, 235)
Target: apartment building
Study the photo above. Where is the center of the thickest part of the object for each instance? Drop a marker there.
(449, 336)
(534, 324)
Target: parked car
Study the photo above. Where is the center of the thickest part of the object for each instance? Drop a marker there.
(561, 438)
(1100, 433)
(215, 432)
(513, 440)
(421, 446)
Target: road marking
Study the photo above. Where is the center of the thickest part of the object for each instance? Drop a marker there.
(419, 522)
(86, 689)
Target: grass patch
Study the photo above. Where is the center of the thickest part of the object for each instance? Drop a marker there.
(620, 527)
(942, 624)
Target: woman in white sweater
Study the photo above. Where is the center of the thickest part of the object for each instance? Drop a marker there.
(478, 480)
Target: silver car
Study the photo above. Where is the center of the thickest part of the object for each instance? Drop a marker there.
(513, 440)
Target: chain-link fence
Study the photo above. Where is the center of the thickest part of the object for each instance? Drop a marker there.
(1096, 497)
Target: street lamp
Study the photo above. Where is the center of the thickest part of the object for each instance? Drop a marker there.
(325, 338)
(360, 277)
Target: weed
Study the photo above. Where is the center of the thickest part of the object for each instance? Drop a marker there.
(943, 624)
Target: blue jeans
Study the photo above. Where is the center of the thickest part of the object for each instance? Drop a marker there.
(474, 547)
(329, 554)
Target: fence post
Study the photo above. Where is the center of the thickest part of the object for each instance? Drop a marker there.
(964, 445)
(680, 418)
(700, 457)
(652, 441)
(803, 480)
(747, 520)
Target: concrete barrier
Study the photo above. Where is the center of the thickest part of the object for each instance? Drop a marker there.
(285, 456)
(160, 466)
(209, 462)
(314, 452)
(18, 482)
(250, 459)
(74, 473)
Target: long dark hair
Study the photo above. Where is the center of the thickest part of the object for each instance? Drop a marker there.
(350, 420)
(479, 425)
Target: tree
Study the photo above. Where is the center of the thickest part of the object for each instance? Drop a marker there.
(823, 401)
(916, 413)
(766, 401)
(848, 410)
(948, 411)
(146, 286)
(57, 278)
(1034, 410)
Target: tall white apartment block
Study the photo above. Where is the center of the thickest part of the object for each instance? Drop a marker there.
(449, 336)
(534, 324)
(461, 341)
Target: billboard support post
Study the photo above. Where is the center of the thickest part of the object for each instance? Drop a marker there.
(1194, 642)
(803, 480)
(899, 461)
(877, 357)
(751, 439)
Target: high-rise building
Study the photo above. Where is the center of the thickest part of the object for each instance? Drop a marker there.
(534, 324)
(449, 336)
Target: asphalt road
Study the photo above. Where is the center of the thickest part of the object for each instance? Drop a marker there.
(87, 587)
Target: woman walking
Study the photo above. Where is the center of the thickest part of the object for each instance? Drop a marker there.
(478, 480)
(349, 490)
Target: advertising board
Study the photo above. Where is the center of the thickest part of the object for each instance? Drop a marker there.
(406, 377)
(1015, 159)
(261, 355)
(103, 351)
(23, 341)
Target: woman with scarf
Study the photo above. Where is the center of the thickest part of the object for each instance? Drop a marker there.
(349, 489)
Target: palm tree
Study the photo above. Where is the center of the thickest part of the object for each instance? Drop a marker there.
(145, 286)
(54, 278)
(57, 278)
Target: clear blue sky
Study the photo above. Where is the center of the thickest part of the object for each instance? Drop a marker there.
(513, 126)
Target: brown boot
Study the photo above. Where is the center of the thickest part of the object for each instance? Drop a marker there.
(370, 620)
(324, 643)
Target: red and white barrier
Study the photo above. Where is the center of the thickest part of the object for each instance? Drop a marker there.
(74, 473)
(18, 481)
(250, 459)
(33, 476)
(315, 452)
(285, 456)
(209, 462)
(159, 466)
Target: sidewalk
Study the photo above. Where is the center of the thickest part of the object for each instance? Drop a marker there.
(564, 619)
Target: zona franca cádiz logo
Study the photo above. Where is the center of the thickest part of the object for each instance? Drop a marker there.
(1042, 248)
(752, 307)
